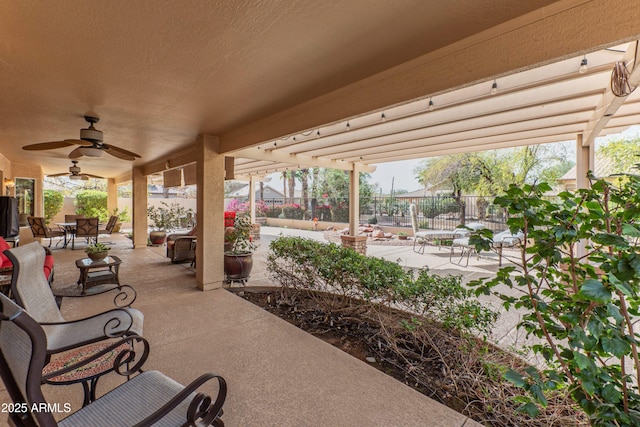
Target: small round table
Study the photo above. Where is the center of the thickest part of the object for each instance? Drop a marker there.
(89, 374)
(101, 272)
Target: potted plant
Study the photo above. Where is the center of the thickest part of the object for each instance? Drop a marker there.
(164, 218)
(402, 235)
(97, 252)
(239, 247)
(123, 216)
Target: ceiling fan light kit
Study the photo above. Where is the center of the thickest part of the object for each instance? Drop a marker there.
(90, 151)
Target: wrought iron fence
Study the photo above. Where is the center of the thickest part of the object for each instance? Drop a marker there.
(434, 212)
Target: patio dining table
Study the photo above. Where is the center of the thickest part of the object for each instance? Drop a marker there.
(69, 230)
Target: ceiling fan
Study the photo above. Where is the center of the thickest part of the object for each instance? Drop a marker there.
(74, 173)
(90, 142)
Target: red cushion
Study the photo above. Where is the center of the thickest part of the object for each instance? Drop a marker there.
(4, 261)
(48, 265)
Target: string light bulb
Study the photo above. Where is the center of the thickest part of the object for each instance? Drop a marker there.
(318, 133)
(383, 117)
(348, 126)
(431, 105)
(583, 65)
(494, 88)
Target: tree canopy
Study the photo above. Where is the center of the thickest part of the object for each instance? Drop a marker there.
(491, 172)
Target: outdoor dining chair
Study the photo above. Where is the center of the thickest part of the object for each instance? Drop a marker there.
(31, 291)
(499, 241)
(86, 228)
(150, 398)
(421, 238)
(40, 230)
(111, 224)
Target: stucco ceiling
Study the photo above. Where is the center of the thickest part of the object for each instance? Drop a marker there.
(160, 72)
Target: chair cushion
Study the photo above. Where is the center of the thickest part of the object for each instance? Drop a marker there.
(131, 402)
(48, 265)
(193, 231)
(4, 261)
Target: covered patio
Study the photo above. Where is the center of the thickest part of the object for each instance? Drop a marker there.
(277, 374)
(243, 89)
(231, 90)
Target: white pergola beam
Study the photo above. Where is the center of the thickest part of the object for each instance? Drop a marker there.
(298, 160)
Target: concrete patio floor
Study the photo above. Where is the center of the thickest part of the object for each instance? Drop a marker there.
(277, 374)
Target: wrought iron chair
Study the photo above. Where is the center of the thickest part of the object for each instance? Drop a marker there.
(31, 291)
(499, 241)
(87, 228)
(181, 247)
(148, 398)
(421, 238)
(40, 230)
(111, 224)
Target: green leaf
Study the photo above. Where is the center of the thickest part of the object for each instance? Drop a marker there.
(514, 378)
(630, 230)
(531, 409)
(582, 361)
(616, 346)
(594, 290)
(536, 391)
(609, 239)
(611, 394)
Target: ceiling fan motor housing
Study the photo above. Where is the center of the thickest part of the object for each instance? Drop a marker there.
(91, 134)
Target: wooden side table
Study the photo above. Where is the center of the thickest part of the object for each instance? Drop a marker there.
(93, 273)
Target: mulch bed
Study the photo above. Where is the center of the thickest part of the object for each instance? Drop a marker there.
(462, 374)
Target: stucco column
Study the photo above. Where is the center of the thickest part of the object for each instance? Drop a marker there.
(354, 200)
(210, 215)
(139, 202)
(584, 162)
(112, 195)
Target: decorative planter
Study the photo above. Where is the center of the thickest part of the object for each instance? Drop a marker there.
(98, 256)
(158, 237)
(401, 237)
(238, 266)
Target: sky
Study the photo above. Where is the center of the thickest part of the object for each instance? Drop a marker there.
(399, 173)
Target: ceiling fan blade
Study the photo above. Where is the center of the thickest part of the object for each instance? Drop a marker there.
(59, 174)
(75, 154)
(55, 144)
(120, 153)
(92, 176)
(79, 142)
(47, 145)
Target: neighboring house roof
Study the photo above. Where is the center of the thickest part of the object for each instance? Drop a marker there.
(423, 192)
(603, 168)
(269, 192)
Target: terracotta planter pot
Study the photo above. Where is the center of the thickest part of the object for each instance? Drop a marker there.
(238, 267)
(158, 237)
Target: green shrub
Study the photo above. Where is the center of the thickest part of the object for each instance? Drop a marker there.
(53, 201)
(577, 286)
(274, 212)
(92, 203)
(307, 264)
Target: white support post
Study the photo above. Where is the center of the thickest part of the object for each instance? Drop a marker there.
(252, 199)
(584, 162)
(354, 200)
